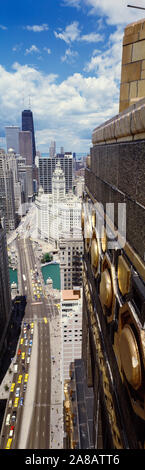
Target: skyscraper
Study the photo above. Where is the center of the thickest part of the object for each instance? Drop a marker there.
(12, 138)
(28, 125)
(7, 201)
(25, 146)
(5, 293)
(52, 149)
(47, 166)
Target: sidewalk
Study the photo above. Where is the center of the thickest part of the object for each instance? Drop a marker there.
(56, 429)
(30, 392)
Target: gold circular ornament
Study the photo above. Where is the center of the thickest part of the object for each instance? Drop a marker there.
(94, 253)
(93, 218)
(130, 358)
(82, 219)
(106, 289)
(88, 234)
(103, 239)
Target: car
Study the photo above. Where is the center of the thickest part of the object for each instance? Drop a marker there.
(32, 331)
(9, 442)
(28, 360)
(8, 419)
(24, 388)
(20, 379)
(26, 378)
(12, 387)
(25, 336)
(19, 352)
(26, 342)
(30, 342)
(16, 402)
(21, 401)
(29, 351)
(17, 394)
(11, 431)
(10, 403)
(14, 416)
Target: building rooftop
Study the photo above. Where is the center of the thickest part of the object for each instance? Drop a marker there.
(70, 294)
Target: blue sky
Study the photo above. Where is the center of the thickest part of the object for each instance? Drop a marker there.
(66, 56)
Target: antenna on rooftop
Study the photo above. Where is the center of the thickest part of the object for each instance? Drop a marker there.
(134, 6)
(29, 102)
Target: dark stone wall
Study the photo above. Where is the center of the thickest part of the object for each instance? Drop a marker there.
(117, 174)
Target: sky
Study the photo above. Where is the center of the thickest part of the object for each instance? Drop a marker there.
(62, 59)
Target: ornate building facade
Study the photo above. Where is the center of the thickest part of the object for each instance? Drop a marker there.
(113, 226)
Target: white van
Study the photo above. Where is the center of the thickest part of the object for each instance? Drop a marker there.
(8, 419)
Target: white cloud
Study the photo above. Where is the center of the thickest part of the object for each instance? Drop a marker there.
(115, 12)
(91, 37)
(68, 110)
(69, 56)
(37, 28)
(70, 34)
(47, 49)
(32, 49)
(4, 28)
(17, 47)
(72, 3)
(108, 63)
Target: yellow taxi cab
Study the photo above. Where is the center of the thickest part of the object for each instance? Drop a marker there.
(26, 378)
(16, 402)
(22, 339)
(32, 325)
(9, 442)
(23, 355)
(45, 320)
(20, 379)
(12, 387)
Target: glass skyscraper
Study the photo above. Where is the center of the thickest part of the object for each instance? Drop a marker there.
(28, 125)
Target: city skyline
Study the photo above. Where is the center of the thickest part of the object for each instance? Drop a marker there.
(62, 60)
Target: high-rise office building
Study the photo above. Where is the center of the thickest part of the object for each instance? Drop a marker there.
(7, 200)
(71, 320)
(71, 261)
(5, 292)
(25, 146)
(12, 138)
(28, 125)
(52, 149)
(13, 166)
(47, 166)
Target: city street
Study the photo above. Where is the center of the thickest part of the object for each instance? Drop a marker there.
(36, 313)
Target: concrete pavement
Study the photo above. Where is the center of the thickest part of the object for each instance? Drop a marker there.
(56, 420)
(30, 392)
